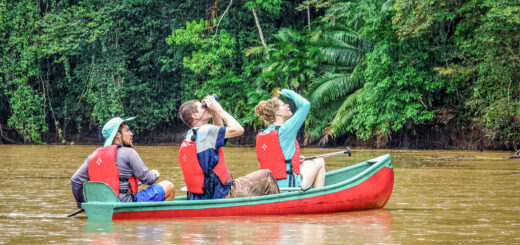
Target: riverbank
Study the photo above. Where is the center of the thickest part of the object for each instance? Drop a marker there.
(426, 136)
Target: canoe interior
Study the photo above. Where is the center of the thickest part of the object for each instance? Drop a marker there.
(345, 174)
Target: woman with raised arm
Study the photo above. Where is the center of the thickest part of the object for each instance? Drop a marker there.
(277, 148)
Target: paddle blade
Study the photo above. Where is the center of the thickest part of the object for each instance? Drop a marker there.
(75, 212)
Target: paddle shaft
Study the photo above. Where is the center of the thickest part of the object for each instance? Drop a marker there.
(281, 189)
(347, 151)
(294, 188)
(76, 212)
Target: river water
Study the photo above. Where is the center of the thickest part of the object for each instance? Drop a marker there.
(440, 197)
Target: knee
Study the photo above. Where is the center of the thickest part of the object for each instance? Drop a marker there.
(268, 173)
(320, 162)
(265, 171)
(168, 186)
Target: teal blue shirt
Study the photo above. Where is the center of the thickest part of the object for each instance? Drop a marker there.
(289, 129)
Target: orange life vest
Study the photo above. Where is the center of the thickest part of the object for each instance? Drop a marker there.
(192, 171)
(270, 155)
(102, 168)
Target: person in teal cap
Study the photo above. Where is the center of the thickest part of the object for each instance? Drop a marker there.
(118, 165)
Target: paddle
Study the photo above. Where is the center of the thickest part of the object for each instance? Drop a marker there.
(281, 189)
(295, 188)
(347, 151)
(76, 212)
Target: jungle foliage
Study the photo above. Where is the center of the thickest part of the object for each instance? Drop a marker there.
(369, 67)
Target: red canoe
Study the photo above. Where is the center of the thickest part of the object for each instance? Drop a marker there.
(366, 185)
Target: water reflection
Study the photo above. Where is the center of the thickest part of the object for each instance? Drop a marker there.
(371, 226)
(108, 232)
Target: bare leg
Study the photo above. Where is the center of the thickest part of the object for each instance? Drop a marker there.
(169, 190)
(319, 181)
(313, 173)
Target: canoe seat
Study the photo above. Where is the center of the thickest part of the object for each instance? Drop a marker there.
(98, 192)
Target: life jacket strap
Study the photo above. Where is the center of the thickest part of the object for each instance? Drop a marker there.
(125, 191)
(290, 175)
(193, 136)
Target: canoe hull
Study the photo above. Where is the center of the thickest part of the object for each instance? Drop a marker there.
(370, 189)
(356, 198)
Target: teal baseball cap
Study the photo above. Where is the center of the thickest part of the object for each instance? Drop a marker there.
(111, 127)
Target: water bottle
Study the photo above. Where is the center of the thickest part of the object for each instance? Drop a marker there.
(214, 96)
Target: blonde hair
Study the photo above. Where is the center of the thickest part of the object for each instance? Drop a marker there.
(266, 109)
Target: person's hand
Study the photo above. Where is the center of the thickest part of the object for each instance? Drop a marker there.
(278, 93)
(212, 104)
(156, 173)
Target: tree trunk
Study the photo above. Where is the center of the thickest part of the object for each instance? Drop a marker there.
(3, 136)
(212, 15)
(225, 11)
(309, 17)
(259, 29)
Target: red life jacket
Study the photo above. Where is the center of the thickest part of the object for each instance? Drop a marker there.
(270, 155)
(192, 171)
(102, 168)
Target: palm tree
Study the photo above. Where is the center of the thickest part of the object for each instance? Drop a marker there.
(289, 62)
(327, 62)
(333, 94)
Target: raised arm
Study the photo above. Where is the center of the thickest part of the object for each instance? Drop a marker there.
(233, 128)
(217, 119)
(292, 125)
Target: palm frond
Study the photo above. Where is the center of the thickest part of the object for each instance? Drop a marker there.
(333, 86)
(256, 51)
(319, 119)
(350, 40)
(288, 35)
(341, 122)
(337, 69)
(340, 56)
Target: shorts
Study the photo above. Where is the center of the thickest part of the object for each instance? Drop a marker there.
(150, 194)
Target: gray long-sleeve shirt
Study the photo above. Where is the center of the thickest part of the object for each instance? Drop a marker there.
(128, 164)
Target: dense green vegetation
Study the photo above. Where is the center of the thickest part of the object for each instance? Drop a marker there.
(369, 68)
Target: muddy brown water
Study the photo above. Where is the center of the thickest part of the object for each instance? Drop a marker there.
(439, 197)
